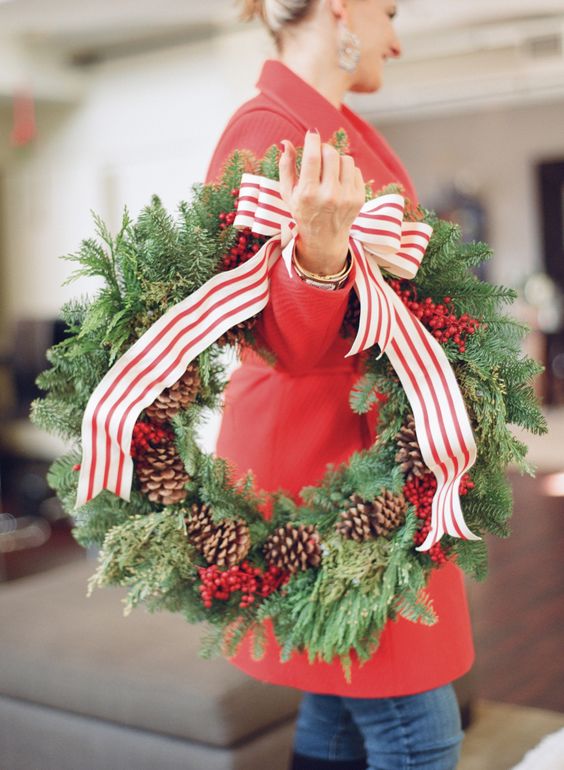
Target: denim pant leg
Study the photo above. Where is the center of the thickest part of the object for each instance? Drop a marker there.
(325, 730)
(410, 732)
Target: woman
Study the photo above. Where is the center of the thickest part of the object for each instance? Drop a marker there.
(287, 421)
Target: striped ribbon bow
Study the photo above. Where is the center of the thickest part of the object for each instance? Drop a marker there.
(379, 237)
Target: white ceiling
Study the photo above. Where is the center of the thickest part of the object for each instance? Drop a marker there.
(455, 52)
(78, 26)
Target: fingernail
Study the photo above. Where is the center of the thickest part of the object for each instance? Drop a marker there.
(313, 131)
(282, 147)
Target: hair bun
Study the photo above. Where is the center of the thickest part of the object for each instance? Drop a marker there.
(251, 9)
(275, 14)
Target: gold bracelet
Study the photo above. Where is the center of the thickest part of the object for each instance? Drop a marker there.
(344, 271)
(331, 283)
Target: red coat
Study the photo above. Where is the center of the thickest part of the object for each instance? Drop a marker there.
(288, 421)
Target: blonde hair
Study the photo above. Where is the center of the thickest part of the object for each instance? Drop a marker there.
(276, 14)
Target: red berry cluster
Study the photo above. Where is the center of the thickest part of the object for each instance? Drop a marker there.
(146, 435)
(252, 581)
(246, 244)
(440, 319)
(420, 492)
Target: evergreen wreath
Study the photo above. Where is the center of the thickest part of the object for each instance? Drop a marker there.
(332, 571)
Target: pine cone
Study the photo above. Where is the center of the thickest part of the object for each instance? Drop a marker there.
(354, 523)
(367, 519)
(162, 475)
(388, 512)
(177, 397)
(236, 334)
(225, 543)
(228, 544)
(409, 453)
(199, 524)
(293, 548)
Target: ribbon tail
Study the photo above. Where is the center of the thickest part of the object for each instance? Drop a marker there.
(375, 322)
(442, 425)
(380, 237)
(156, 361)
(451, 522)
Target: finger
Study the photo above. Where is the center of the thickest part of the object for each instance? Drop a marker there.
(359, 181)
(310, 171)
(331, 165)
(347, 171)
(360, 186)
(287, 169)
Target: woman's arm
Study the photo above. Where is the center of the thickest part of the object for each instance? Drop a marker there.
(300, 322)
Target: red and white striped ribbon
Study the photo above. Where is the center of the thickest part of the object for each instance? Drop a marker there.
(442, 425)
(379, 237)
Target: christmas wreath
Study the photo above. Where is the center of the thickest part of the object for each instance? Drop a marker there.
(168, 519)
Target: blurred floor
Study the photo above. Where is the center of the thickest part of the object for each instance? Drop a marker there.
(518, 612)
(502, 734)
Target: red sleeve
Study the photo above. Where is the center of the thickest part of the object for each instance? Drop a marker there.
(300, 322)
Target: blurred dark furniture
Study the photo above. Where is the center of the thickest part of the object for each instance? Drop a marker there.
(551, 206)
(28, 507)
(550, 181)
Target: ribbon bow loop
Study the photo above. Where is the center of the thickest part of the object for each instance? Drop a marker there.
(260, 207)
(396, 244)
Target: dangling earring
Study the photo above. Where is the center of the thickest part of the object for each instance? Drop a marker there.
(349, 47)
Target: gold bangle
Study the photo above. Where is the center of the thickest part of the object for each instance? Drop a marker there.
(344, 271)
(323, 281)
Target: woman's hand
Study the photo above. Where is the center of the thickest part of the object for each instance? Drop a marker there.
(324, 202)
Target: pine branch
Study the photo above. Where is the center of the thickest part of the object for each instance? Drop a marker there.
(364, 395)
(127, 557)
(472, 557)
(211, 642)
(416, 607)
(269, 164)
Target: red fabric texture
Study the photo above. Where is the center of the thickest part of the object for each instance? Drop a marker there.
(287, 421)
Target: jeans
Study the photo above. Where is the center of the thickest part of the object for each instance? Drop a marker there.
(419, 732)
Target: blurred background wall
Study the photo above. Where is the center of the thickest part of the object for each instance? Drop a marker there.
(142, 124)
(129, 100)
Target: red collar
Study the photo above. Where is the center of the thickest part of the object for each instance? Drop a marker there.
(303, 102)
